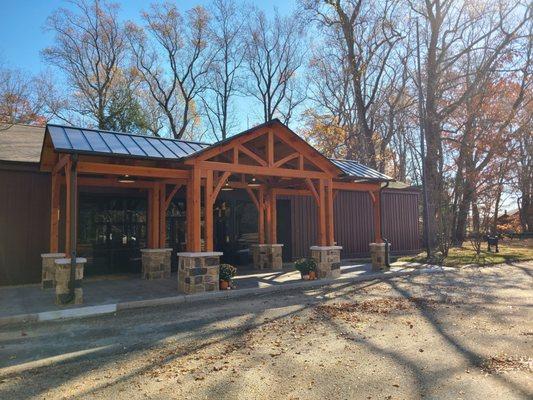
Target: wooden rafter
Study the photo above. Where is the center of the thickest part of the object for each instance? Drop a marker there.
(312, 189)
(285, 160)
(252, 155)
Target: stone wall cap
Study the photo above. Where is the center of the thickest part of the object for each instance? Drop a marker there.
(64, 261)
(377, 244)
(268, 245)
(201, 254)
(53, 255)
(326, 247)
(155, 250)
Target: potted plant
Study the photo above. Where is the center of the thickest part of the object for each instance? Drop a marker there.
(227, 272)
(307, 267)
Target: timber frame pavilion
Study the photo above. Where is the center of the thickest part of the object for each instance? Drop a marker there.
(273, 157)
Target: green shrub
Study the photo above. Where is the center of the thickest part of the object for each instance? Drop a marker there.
(227, 272)
(305, 265)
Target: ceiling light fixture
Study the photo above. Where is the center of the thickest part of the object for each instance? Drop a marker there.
(254, 182)
(226, 187)
(126, 179)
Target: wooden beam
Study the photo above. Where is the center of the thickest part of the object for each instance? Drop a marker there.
(155, 220)
(86, 167)
(112, 182)
(194, 234)
(273, 217)
(54, 213)
(286, 159)
(61, 163)
(252, 155)
(330, 216)
(261, 217)
(68, 202)
(259, 170)
(357, 186)
(162, 216)
(208, 211)
(170, 196)
(293, 192)
(312, 190)
(322, 235)
(270, 148)
(252, 196)
(221, 181)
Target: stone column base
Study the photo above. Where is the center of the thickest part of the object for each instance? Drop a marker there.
(156, 263)
(267, 256)
(198, 272)
(62, 278)
(377, 253)
(328, 259)
(49, 269)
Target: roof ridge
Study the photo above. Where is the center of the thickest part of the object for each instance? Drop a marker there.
(127, 134)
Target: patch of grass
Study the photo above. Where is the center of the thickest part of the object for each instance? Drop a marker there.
(459, 256)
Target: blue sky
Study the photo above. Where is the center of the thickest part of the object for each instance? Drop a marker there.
(22, 35)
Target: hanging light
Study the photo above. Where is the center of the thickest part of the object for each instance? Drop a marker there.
(126, 179)
(254, 182)
(226, 187)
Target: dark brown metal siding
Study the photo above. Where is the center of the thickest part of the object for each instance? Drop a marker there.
(354, 228)
(24, 224)
(401, 220)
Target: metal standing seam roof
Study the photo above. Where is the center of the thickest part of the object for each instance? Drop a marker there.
(357, 170)
(92, 141)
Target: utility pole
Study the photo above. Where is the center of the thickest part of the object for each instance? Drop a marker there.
(421, 121)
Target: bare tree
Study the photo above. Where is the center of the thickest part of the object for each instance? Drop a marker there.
(274, 55)
(173, 58)
(21, 98)
(454, 33)
(89, 48)
(364, 36)
(224, 78)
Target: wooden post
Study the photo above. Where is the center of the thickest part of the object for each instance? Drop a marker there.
(149, 218)
(154, 216)
(268, 219)
(208, 211)
(273, 217)
(261, 214)
(322, 236)
(68, 202)
(194, 240)
(54, 213)
(330, 214)
(162, 216)
(377, 217)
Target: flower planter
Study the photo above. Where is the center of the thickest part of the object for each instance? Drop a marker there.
(305, 277)
(224, 285)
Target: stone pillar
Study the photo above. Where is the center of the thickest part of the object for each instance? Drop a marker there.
(377, 253)
(328, 259)
(198, 272)
(156, 263)
(62, 279)
(267, 256)
(49, 269)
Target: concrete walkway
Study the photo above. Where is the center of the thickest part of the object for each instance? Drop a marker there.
(111, 294)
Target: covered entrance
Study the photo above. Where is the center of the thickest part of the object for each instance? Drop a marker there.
(202, 202)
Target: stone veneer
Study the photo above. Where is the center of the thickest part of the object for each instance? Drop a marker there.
(62, 279)
(377, 253)
(328, 259)
(156, 263)
(49, 269)
(267, 256)
(198, 272)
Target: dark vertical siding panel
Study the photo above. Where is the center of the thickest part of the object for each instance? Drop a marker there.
(353, 223)
(401, 220)
(24, 225)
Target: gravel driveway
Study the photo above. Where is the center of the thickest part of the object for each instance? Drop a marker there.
(464, 334)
